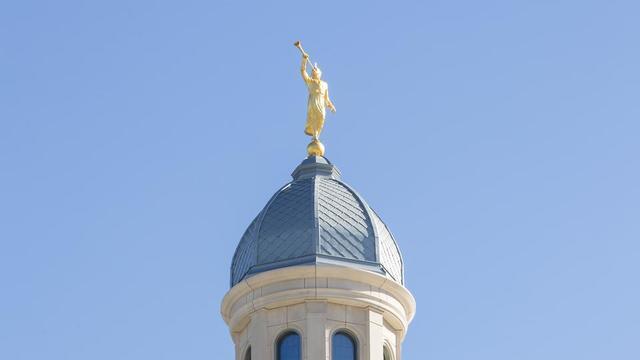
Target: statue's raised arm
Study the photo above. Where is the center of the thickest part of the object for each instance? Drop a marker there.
(303, 68)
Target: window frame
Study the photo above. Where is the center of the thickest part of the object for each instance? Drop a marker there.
(352, 336)
(282, 336)
(386, 350)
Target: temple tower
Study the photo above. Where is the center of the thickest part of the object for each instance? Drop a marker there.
(317, 275)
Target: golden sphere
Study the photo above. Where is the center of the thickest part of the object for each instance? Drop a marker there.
(315, 148)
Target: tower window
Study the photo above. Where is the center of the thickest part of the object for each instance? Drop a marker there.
(247, 355)
(288, 347)
(344, 347)
(386, 353)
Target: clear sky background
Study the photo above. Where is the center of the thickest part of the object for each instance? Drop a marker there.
(499, 140)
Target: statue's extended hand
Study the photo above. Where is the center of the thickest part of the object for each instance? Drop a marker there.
(332, 108)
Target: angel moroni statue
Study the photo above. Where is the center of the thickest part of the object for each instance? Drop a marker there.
(318, 102)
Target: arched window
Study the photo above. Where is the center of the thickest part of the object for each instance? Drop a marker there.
(344, 347)
(386, 354)
(247, 355)
(288, 347)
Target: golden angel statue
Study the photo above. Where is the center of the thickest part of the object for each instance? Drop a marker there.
(318, 102)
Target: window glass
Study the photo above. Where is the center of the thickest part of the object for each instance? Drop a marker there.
(344, 347)
(387, 354)
(289, 347)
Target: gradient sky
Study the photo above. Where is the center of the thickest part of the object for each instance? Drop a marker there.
(499, 140)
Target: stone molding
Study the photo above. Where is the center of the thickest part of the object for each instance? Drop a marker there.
(321, 282)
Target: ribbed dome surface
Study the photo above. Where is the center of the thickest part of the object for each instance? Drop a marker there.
(316, 218)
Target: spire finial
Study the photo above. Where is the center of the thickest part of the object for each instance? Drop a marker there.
(318, 102)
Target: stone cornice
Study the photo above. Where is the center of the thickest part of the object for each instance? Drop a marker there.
(331, 283)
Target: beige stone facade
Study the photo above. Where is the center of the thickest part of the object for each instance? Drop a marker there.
(316, 301)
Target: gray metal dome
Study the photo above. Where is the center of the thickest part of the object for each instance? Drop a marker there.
(317, 218)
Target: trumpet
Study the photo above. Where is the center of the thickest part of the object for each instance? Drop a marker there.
(299, 46)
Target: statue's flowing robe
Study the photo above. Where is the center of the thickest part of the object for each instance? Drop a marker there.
(316, 106)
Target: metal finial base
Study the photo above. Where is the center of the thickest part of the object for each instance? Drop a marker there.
(315, 148)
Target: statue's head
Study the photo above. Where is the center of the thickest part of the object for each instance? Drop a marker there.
(316, 73)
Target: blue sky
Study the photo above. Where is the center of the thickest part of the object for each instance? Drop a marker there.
(497, 139)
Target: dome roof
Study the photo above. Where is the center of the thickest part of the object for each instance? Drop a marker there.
(317, 218)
